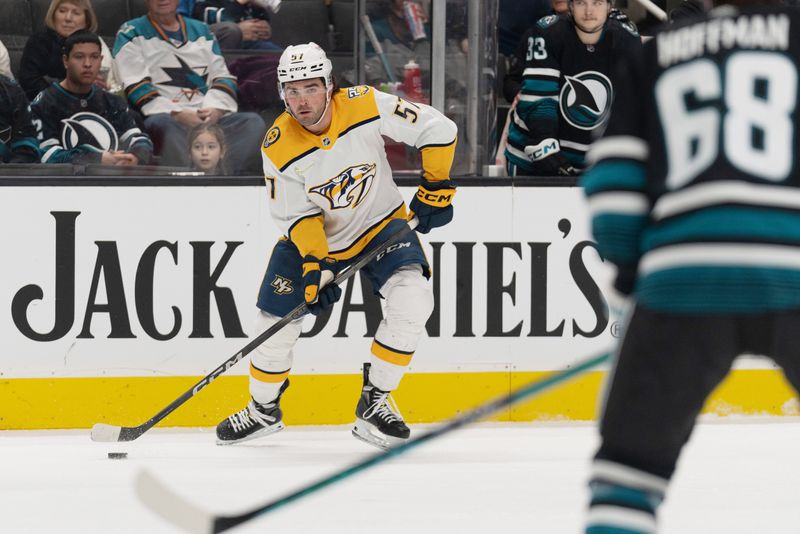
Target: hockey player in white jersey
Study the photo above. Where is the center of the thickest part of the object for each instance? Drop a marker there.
(332, 194)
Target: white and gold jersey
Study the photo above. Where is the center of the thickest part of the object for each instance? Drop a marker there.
(340, 180)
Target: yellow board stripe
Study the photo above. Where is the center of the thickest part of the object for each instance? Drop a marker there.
(389, 355)
(263, 376)
(44, 403)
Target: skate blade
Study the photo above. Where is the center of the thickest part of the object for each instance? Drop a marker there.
(369, 433)
(266, 431)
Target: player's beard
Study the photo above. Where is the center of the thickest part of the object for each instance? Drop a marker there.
(310, 120)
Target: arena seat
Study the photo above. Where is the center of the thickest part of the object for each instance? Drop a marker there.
(136, 8)
(38, 9)
(16, 19)
(110, 15)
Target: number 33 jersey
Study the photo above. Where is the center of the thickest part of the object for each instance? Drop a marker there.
(694, 189)
(340, 181)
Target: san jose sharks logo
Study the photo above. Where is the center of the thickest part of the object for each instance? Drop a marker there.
(349, 187)
(88, 129)
(188, 80)
(585, 99)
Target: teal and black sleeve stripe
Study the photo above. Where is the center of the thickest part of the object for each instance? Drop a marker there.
(228, 85)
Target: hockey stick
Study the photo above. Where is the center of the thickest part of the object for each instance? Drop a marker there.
(191, 518)
(373, 39)
(104, 432)
(657, 12)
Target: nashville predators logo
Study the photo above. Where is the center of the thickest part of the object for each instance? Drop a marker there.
(281, 285)
(349, 188)
(272, 135)
(585, 99)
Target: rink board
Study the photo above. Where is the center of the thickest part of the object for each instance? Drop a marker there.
(119, 298)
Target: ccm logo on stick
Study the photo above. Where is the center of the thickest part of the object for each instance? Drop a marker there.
(392, 248)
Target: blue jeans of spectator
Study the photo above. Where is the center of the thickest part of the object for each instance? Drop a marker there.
(244, 133)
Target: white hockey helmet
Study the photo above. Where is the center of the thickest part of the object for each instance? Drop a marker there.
(304, 62)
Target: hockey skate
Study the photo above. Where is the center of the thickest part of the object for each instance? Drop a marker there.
(254, 421)
(378, 422)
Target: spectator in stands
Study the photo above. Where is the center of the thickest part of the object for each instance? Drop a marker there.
(41, 63)
(400, 42)
(229, 34)
(81, 123)
(394, 25)
(5, 62)
(18, 143)
(174, 73)
(252, 17)
(207, 148)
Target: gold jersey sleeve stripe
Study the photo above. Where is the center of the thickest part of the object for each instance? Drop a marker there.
(437, 161)
(389, 355)
(308, 235)
(264, 376)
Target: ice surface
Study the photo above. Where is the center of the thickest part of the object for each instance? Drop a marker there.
(737, 476)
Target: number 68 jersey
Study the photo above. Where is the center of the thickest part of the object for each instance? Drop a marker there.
(694, 191)
(341, 179)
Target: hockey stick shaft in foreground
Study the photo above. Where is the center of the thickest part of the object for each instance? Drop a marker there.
(106, 433)
(185, 515)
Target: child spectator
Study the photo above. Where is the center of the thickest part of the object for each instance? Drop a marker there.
(207, 149)
(41, 63)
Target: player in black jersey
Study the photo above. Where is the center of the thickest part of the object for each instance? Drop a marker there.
(80, 123)
(695, 197)
(18, 142)
(567, 88)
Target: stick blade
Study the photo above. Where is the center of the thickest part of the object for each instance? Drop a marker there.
(105, 433)
(170, 506)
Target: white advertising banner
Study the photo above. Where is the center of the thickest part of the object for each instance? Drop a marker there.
(142, 281)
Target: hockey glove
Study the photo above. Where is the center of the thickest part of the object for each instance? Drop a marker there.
(432, 204)
(548, 160)
(319, 299)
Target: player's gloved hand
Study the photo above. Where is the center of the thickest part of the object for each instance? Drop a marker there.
(319, 299)
(432, 204)
(556, 165)
(548, 159)
(619, 297)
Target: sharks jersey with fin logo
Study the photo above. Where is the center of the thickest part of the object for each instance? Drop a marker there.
(343, 175)
(77, 129)
(162, 75)
(567, 88)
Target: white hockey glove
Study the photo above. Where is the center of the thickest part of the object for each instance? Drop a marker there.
(549, 160)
